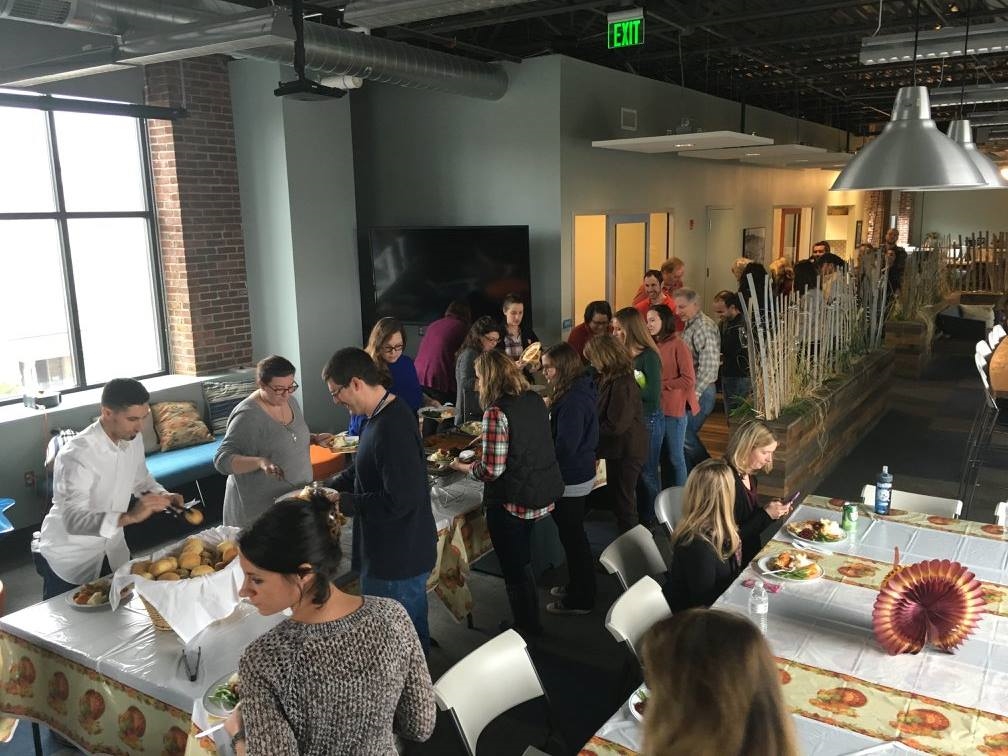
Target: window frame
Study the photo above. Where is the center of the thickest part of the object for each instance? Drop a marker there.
(62, 217)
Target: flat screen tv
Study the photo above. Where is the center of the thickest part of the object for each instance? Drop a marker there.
(415, 272)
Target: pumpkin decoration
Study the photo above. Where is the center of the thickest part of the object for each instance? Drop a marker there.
(896, 567)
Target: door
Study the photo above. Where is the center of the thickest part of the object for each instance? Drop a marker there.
(724, 240)
(628, 245)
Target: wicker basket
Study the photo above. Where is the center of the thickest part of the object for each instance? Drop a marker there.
(159, 622)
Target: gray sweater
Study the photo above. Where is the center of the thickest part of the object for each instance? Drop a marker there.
(253, 433)
(340, 687)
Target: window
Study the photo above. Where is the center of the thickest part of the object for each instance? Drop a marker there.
(80, 289)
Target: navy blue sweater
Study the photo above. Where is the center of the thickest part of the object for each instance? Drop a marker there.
(574, 422)
(385, 491)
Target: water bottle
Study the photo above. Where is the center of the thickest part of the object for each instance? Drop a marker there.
(883, 491)
(759, 606)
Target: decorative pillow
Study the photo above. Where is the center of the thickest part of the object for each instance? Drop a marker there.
(978, 312)
(150, 439)
(178, 424)
(222, 397)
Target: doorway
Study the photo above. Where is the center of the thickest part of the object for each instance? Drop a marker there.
(792, 229)
(612, 252)
(723, 248)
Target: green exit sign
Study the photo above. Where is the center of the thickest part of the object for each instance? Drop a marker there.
(626, 29)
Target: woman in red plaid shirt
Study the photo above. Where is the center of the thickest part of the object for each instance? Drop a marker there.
(520, 475)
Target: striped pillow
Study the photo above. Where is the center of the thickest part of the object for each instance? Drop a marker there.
(222, 397)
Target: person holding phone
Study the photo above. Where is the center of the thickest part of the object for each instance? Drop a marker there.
(750, 450)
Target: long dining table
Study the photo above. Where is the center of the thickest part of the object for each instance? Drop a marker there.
(845, 692)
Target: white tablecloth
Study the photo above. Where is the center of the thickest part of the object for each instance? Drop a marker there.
(827, 625)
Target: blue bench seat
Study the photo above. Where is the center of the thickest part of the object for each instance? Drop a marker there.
(180, 466)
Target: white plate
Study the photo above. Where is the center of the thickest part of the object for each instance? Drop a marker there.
(86, 607)
(635, 698)
(211, 706)
(344, 449)
(764, 565)
(436, 413)
(821, 544)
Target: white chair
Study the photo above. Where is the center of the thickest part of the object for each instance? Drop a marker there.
(994, 337)
(983, 349)
(668, 507)
(495, 677)
(632, 556)
(633, 613)
(1001, 513)
(915, 502)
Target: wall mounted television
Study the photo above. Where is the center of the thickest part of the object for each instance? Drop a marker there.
(415, 272)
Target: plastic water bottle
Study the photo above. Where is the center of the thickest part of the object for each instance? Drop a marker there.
(883, 491)
(759, 606)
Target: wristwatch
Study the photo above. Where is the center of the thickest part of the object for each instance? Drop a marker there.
(237, 738)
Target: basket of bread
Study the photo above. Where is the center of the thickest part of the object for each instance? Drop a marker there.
(189, 585)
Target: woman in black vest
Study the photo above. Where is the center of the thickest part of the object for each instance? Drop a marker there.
(623, 439)
(520, 475)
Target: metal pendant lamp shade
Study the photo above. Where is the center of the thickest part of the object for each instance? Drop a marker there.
(910, 153)
(961, 133)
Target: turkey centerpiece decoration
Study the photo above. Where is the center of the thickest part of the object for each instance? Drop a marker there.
(938, 602)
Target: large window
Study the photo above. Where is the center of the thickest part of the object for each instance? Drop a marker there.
(80, 288)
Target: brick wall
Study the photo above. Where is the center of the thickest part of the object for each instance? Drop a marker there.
(876, 216)
(195, 175)
(904, 217)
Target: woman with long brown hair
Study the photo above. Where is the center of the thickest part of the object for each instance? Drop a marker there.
(622, 439)
(628, 326)
(574, 425)
(520, 475)
(387, 347)
(483, 335)
(714, 689)
(705, 543)
(678, 394)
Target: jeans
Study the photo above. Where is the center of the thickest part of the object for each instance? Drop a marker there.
(568, 514)
(512, 541)
(650, 478)
(410, 592)
(675, 433)
(735, 389)
(53, 584)
(696, 452)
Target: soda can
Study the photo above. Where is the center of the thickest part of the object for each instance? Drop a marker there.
(848, 520)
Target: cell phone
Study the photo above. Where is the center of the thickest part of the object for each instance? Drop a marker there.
(790, 502)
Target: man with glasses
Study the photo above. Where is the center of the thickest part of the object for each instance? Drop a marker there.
(385, 489)
(597, 317)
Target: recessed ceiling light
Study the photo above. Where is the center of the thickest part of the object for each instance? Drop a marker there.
(684, 144)
(752, 154)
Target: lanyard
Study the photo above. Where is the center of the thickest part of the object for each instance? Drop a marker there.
(381, 403)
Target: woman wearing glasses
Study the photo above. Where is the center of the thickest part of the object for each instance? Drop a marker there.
(265, 449)
(387, 347)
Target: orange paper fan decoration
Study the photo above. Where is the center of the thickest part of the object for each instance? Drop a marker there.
(937, 602)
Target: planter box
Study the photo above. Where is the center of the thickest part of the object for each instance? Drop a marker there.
(811, 444)
(911, 342)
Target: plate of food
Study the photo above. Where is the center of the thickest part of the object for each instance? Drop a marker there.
(222, 696)
(472, 428)
(436, 413)
(824, 530)
(532, 352)
(638, 702)
(439, 462)
(791, 565)
(344, 443)
(91, 597)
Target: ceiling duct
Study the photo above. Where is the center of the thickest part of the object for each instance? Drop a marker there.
(328, 51)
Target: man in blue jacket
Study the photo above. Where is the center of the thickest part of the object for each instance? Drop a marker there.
(385, 489)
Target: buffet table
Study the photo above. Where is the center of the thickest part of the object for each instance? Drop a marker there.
(109, 681)
(845, 692)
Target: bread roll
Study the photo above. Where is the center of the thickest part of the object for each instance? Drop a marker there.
(139, 568)
(193, 516)
(189, 559)
(146, 575)
(194, 544)
(203, 569)
(168, 576)
(227, 556)
(161, 566)
(225, 545)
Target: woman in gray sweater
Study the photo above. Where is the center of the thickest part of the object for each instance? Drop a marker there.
(265, 449)
(343, 675)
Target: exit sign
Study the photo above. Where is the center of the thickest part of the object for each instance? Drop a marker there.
(626, 28)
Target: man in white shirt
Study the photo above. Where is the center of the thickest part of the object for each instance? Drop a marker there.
(95, 476)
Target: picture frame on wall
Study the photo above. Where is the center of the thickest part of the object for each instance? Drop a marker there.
(754, 244)
(857, 233)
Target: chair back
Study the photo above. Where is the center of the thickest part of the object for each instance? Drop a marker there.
(994, 337)
(633, 613)
(668, 507)
(483, 685)
(915, 502)
(983, 349)
(632, 556)
(1001, 513)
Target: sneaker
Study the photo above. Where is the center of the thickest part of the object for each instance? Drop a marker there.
(559, 607)
(559, 591)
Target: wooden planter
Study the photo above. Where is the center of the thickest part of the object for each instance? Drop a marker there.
(911, 341)
(811, 444)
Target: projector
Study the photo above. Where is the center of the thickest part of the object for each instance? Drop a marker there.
(307, 90)
(42, 400)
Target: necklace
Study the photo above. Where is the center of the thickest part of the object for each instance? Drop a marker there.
(288, 426)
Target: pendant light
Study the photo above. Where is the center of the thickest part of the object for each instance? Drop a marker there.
(961, 133)
(910, 153)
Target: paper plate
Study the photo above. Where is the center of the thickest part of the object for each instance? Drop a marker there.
(764, 565)
(638, 697)
(213, 707)
(812, 541)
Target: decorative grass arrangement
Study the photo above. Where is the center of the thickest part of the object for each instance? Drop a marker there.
(974, 263)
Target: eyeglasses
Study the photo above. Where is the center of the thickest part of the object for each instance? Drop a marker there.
(335, 394)
(491, 339)
(393, 349)
(281, 390)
